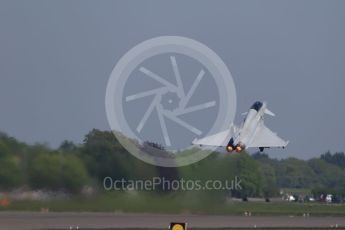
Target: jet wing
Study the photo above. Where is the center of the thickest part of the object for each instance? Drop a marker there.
(219, 139)
(264, 137)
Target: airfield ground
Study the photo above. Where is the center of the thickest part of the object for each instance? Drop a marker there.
(123, 211)
(176, 205)
(63, 220)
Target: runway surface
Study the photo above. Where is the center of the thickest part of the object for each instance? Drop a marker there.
(65, 220)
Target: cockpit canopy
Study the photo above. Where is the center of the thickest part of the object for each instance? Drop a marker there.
(256, 106)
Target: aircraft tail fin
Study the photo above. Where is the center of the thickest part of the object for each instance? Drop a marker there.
(233, 128)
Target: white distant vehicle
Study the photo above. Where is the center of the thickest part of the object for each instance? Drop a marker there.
(311, 199)
(291, 198)
(251, 133)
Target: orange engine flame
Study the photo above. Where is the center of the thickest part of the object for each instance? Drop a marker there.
(229, 149)
(238, 149)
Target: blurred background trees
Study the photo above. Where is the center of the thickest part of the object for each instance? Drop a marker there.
(72, 166)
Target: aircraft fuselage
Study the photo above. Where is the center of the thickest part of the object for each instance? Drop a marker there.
(248, 128)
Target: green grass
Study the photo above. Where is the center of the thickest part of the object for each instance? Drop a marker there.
(125, 202)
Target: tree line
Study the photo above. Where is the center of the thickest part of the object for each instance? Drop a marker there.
(71, 167)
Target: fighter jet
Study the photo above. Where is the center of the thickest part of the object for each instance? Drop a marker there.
(251, 133)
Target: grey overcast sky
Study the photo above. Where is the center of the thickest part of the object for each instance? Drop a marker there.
(56, 58)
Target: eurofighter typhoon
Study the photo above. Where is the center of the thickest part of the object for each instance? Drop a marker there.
(251, 133)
